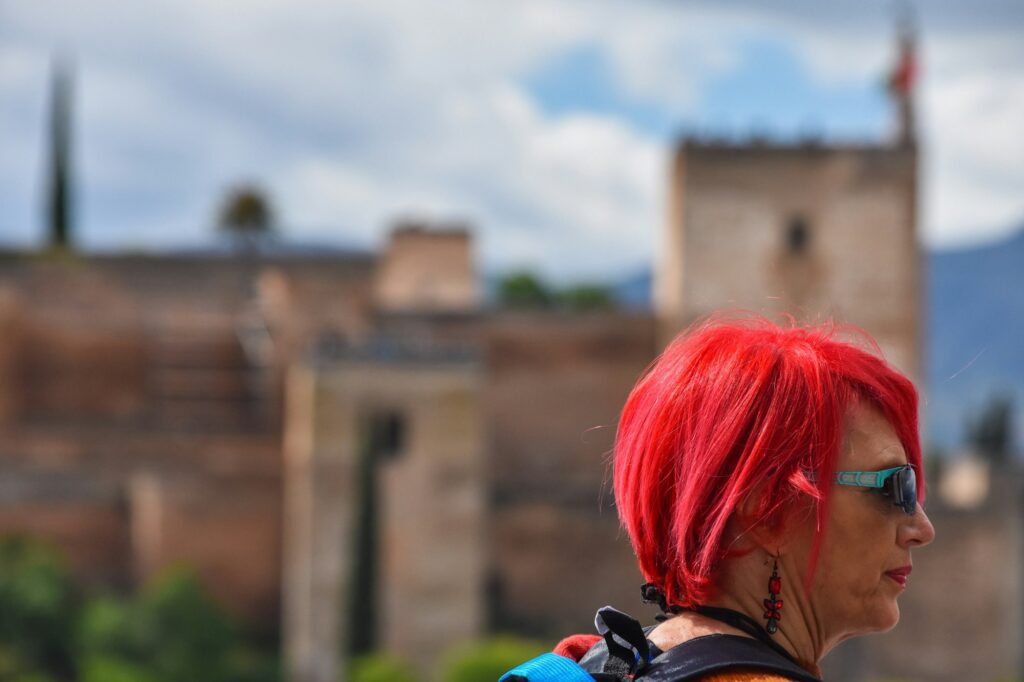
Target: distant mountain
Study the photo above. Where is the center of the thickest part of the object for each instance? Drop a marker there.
(974, 344)
(974, 333)
(634, 292)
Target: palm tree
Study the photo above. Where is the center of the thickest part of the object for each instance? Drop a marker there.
(246, 215)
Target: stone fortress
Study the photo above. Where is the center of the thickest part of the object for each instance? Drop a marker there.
(356, 447)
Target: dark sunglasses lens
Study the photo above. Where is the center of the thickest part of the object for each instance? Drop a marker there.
(906, 481)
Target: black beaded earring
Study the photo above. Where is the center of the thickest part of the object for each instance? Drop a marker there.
(773, 605)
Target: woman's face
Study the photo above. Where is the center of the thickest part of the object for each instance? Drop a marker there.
(866, 551)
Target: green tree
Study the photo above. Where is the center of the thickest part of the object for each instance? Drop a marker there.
(587, 297)
(59, 199)
(524, 290)
(487, 660)
(990, 432)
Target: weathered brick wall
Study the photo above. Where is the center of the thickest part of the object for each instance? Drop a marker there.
(84, 520)
(132, 435)
(556, 386)
(228, 528)
(74, 372)
(10, 350)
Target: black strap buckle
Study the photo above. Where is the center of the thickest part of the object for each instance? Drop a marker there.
(628, 649)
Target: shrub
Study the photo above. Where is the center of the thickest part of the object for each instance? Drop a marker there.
(172, 631)
(106, 628)
(381, 667)
(489, 659)
(104, 669)
(37, 610)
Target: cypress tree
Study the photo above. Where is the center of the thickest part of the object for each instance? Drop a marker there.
(59, 197)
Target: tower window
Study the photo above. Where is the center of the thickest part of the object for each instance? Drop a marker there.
(387, 433)
(798, 236)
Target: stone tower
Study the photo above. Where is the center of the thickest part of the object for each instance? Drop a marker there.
(815, 230)
(427, 270)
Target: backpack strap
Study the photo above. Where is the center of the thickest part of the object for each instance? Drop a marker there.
(700, 656)
(547, 668)
(625, 654)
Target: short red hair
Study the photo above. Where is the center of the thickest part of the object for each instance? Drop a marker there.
(734, 407)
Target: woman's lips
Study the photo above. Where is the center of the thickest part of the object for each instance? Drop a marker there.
(900, 574)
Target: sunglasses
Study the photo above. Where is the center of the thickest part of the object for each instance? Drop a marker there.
(899, 484)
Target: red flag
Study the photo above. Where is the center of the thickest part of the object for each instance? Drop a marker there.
(901, 80)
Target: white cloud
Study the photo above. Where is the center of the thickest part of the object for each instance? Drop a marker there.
(970, 95)
(22, 118)
(976, 178)
(355, 113)
(574, 197)
(352, 115)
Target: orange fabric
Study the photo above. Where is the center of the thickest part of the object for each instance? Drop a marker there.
(575, 646)
(740, 676)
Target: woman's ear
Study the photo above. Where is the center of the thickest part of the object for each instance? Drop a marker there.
(751, 527)
(769, 529)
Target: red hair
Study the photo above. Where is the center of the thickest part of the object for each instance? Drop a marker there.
(742, 412)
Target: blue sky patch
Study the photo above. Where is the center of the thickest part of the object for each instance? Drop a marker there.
(770, 92)
(580, 81)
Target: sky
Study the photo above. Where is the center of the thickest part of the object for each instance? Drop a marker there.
(545, 125)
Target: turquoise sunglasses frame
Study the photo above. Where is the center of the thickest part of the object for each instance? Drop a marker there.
(887, 482)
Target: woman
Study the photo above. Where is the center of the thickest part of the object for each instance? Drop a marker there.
(769, 478)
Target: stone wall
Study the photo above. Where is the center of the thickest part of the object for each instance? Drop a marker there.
(498, 515)
(138, 424)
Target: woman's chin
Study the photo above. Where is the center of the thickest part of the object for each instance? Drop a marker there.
(881, 619)
(889, 618)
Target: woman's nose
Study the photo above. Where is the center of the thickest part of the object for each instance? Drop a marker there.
(918, 530)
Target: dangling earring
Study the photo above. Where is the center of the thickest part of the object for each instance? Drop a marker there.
(773, 605)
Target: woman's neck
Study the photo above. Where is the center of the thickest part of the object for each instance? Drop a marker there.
(742, 587)
(796, 631)
(689, 625)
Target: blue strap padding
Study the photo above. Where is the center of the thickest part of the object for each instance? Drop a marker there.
(548, 668)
